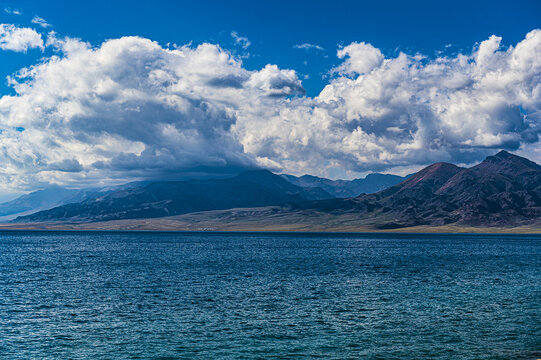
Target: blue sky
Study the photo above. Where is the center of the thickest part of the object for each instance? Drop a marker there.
(275, 27)
(106, 92)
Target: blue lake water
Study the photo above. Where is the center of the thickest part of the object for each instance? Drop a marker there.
(105, 295)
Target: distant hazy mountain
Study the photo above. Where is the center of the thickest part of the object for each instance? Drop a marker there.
(52, 197)
(164, 198)
(504, 189)
(43, 199)
(347, 188)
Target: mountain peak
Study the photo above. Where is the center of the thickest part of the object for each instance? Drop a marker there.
(507, 164)
(503, 154)
(436, 170)
(429, 179)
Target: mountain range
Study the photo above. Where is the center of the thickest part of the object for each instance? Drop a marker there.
(347, 188)
(503, 190)
(56, 196)
(167, 198)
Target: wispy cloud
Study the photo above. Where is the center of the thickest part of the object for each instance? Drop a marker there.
(307, 46)
(12, 11)
(240, 40)
(40, 21)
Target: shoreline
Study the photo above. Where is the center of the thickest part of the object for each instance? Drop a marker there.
(232, 228)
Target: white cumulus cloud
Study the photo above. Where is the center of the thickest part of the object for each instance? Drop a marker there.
(382, 113)
(360, 58)
(127, 109)
(19, 39)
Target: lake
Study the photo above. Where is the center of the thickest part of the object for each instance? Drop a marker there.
(158, 295)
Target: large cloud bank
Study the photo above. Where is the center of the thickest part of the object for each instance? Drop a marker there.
(382, 113)
(131, 108)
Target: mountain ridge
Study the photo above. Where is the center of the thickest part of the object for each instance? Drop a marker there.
(166, 198)
(503, 189)
(347, 188)
(55, 196)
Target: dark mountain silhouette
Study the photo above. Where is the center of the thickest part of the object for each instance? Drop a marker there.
(347, 188)
(165, 198)
(504, 189)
